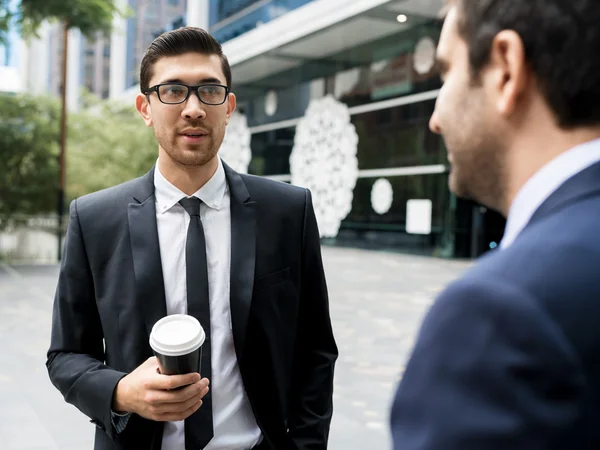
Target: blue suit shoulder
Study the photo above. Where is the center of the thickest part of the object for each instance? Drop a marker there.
(507, 355)
(555, 260)
(512, 345)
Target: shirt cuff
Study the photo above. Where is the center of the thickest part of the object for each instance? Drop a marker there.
(119, 421)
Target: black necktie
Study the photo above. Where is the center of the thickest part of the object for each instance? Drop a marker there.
(199, 426)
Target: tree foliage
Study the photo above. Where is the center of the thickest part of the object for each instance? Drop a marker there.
(29, 134)
(29, 127)
(89, 16)
(108, 144)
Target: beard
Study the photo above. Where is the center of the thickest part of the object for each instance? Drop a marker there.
(477, 173)
(189, 154)
(478, 165)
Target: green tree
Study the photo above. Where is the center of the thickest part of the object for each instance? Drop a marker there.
(108, 144)
(29, 131)
(89, 16)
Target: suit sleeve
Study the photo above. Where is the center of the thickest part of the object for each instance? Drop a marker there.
(76, 353)
(316, 351)
(489, 371)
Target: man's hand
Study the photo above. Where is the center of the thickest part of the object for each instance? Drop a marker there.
(153, 396)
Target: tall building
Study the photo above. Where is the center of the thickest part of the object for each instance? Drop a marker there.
(151, 18)
(95, 65)
(108, 66)
(132, 36)
(55, 51)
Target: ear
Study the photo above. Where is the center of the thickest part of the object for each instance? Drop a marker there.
(142, 104)
(510, 73)
(231, 104)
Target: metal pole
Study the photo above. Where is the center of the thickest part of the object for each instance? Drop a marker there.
(63, 138)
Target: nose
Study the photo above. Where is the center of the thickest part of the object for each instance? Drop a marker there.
(434, 125)
(194, 108)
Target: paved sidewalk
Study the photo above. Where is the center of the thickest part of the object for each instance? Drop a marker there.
(377, 304)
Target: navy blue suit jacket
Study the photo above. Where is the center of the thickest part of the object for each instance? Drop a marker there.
(508, 357)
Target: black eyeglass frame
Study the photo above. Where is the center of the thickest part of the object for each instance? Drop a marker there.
(190, 89)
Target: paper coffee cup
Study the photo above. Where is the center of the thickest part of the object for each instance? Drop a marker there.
(177, 343)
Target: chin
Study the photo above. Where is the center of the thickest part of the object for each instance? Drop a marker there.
(191, 159)
(457, 187)
(452, 185)
(195, 153)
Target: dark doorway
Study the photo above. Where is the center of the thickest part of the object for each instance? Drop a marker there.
(479, 229)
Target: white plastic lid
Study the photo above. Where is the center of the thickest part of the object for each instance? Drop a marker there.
(176, 335)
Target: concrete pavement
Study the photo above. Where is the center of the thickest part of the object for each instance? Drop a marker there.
(377, 304)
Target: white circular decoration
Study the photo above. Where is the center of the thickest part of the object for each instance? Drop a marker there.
(382, 196)
(271, 103)
(235, 150)
(424, 57)
(324, 160)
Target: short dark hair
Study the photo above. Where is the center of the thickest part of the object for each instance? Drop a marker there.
(562, 47)
(177, 42)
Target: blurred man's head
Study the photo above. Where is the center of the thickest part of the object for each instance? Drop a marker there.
(515, 72)
(189, 123)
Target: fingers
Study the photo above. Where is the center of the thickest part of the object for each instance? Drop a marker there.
(174, 408)
(170, 382)
(196, 390)
(176, 416)
(168, 397)
(204, 390)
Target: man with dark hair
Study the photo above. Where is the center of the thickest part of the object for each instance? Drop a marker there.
(507, 357)
(240, 253)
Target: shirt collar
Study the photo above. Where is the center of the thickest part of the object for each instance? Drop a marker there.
(544, 183)
(211, 194)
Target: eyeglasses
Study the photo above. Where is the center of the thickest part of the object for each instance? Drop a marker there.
(175, 93)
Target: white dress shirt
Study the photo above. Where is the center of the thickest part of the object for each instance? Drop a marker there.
(544, 183)
(235, 426)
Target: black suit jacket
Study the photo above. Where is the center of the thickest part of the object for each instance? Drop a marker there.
(110, 293)
(508, 356)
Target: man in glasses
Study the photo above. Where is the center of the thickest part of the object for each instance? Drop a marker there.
(240, 253)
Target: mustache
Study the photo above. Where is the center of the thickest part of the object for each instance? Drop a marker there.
(195, 124)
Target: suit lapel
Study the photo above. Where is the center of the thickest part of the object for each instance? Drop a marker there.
(243, 254)
(150, 289)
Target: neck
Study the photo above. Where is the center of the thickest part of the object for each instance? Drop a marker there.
(532, 152)
(188, 179)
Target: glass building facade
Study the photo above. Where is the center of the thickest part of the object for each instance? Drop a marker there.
(151, 18)
(231, 18)
(388, 80)
(95, 65)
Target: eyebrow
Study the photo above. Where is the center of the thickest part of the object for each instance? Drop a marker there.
(202, 81)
